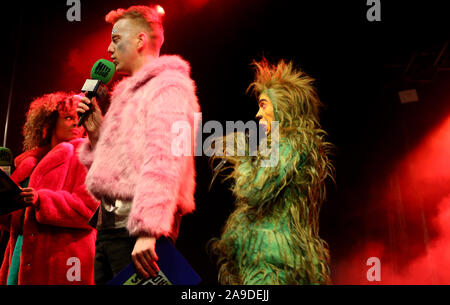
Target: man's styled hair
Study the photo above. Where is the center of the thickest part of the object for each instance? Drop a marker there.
(146, 17)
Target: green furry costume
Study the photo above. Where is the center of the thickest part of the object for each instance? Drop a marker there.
(272, 235)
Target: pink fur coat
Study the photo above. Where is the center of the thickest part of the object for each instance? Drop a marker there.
(133, 158)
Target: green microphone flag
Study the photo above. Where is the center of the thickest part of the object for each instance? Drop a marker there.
(102, 72)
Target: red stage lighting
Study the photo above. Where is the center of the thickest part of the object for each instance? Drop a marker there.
(415, 198)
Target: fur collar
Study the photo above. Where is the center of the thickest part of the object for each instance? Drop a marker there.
(26, 162)
(154, 68)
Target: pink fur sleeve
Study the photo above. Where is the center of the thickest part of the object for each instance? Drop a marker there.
(161, 176)
(85, 154)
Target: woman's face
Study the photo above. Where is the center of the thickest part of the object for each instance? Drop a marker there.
(66, 127)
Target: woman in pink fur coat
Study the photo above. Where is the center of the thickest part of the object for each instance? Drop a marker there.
(57, 244)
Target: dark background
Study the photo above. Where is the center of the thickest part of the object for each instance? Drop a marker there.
(358, 66)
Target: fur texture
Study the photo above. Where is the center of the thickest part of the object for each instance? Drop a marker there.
(58, 229)
(133, 159)
(272, 236)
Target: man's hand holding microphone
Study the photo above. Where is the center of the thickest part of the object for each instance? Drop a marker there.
(88, 109)
(93, 117)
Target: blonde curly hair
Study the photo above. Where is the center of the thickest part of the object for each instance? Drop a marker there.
(42, 116)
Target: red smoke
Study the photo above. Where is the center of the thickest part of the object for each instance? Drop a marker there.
(196, 4)
(82, 56)
(415, 200)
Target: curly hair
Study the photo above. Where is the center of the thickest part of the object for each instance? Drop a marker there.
(262, 193)
(42, 116)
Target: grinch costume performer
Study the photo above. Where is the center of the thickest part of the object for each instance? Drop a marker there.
(272, 237)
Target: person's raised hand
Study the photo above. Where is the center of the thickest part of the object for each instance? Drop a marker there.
(94, 119)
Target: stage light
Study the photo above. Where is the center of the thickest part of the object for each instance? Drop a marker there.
(160, 10)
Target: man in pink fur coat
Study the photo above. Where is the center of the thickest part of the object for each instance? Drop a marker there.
(144, 186)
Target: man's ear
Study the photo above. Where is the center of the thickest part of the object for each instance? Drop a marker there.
(142, 40)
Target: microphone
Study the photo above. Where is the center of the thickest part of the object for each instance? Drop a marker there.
(6, 160)
(101, 73)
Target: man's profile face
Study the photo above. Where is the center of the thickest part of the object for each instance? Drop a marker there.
(265, 112)
(123, 46)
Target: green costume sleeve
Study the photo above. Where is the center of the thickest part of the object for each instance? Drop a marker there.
(261, 184)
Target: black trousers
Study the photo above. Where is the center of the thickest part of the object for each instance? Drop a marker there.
(112, 253)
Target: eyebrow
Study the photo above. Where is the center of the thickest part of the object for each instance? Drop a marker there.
(262, 100)
(115, 33)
